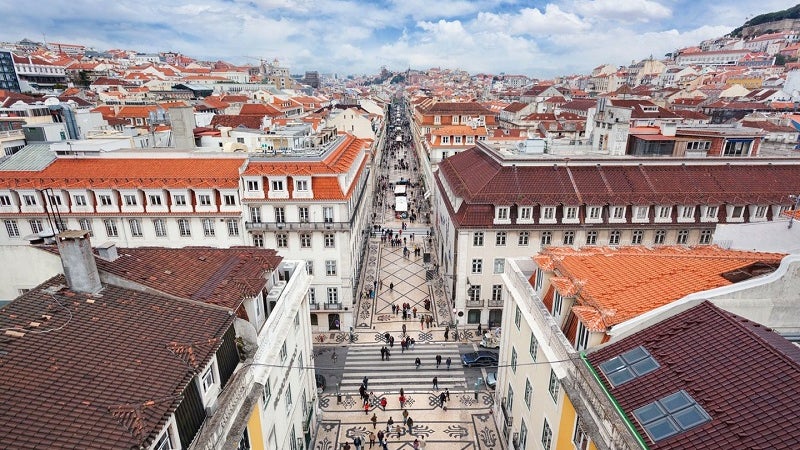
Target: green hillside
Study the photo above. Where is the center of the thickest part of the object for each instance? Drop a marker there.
(791, 13)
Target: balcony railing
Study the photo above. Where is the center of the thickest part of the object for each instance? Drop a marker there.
(296, 226)
(495, 303)
(476, 302)
(314, 306)
(16, 134)
(333, 306)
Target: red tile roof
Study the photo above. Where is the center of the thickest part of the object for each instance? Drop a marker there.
(104, 375)
(338, 161)
(643, 278)
(155, 173)
(227, 120)
(746, 377)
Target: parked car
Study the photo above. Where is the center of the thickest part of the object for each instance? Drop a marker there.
(320, 382)
(491, 379)
(481, 358)
(490, 340)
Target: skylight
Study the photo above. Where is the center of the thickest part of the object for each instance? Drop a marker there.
(671, 415)
(630, 365)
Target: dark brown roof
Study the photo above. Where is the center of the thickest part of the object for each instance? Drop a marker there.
(582, 104)
(515, 107)
(221, 276)
(458, 108)
(227, 120)
(746, 377)
(98, 372)
(637, 111)
(480, 180)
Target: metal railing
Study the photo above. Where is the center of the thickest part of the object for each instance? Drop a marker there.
(296, 226)
(336, 306)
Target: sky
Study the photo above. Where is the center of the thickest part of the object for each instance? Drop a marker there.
(535, 38)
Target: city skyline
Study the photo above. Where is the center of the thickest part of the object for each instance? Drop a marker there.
(539, 39)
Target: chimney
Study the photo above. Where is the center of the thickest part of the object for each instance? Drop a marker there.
(107, 251)
(78, 261)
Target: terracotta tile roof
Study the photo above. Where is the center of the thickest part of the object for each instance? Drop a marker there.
(338, 161)
(617, 284)
(106, 377)
(768, 126)
(136, 111)
(227, 120)
(473, 108)
(93, 173)
(259, 109)
(515, 107)
(480, 180)
(746, 377)
(459, 130)
(638, 112)
(218, 276)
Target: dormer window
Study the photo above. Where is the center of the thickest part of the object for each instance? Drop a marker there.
(618, 212)
(664, 212)
(571, 212)
(252, 186)
(525, 213)
(30, 200)
(594, 212)
(301, 185)
(687, 212)
(711, 212)
(501, 213)
(277, 185)
(548, 213)
(130, 200)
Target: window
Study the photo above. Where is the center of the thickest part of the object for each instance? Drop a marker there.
(538, 282)
(528, 393)
(582, 340)
(437, 120)
(330, 268)
(613, 237)
(579, 437)
(671, 415)
(558, 301)
(456, 139)
(180, 200)
(591, 238)
(252, 185)
(230, 200)
(277, 185)
(637, 237)
(301, 185)
(105, 200)
(548, 213)
(233, 227)
(661, 236)
(477, 265)
(160, 227)
(594, 212)
(5, 200)
(155, 200)
(629, 365)
(524, 236)
(208, 379)
(283, 352)
(55, 200)
(500, 238)
(497, 292)
(130, 200)
(11, 228)
(569, 237)
(683, 237)
(477, 238)
(183, 227)
(526, 213)
(533, 348)
(330, 240)
(80, 200)
(641, 212)
(547, 237)
(514, 359)
(705, 236)
(258, 240)
(111, 227)
(687, 212)
(510, 398)
(281, 240)
(305, 240)
(523, 435)
(547, 435)
(711, 212)
(761, 212)
(499, 265)
(244, 441)
(164, 442)
(255, 214)
(280, 214)
(736, 148)
(571, 212)
(737, 212)
(333, 295)
(664, 212)
(553, 386)
(208, 228)
(310, 267)
(327, 213)
(136, 227)
(204, 199)
(502, 213)
(619, 212)
(302, 213)
(517, 316)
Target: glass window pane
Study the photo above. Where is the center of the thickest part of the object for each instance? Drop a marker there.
(660, 429)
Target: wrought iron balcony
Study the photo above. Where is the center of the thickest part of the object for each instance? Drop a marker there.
(336, 305)
(296, 226)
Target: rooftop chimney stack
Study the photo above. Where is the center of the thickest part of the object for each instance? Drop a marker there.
(77, 259)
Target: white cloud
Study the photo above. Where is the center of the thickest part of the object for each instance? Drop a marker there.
(625, 10)
(533, 22)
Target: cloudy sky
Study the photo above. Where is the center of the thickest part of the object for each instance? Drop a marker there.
(536, 38)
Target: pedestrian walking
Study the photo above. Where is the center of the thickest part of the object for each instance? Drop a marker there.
(387, 354)
(410, 423)
(422, 323)
(448, 362)
(383, 403)
(391, 342)
(438, 360)
(415, 312)
(391, 286)
(402, 399)
(346, 446)
(371, 439)
(389, 424)
(405, 416)
(447, 392)
(383, 353)
(374, 420)
(480, 330)
(423, 444)
(417, 363)
(380, 435)
(366, 407)
(446, 333)
(357, 442)
(436, 383)
(385, 444)
(404, 329)
(365, 381)
(443, 399)
(416, 444)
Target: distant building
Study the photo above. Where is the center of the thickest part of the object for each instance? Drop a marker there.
(312, 79)
(8, 74)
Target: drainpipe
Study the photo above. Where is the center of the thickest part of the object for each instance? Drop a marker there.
(617, 407)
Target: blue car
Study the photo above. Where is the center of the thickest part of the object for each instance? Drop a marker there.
(480, 358)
